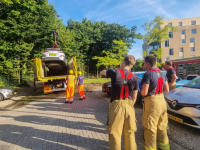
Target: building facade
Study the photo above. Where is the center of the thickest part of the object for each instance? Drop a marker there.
(184, 43)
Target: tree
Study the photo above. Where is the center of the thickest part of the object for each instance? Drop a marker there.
(114, 58)
(92, 38)
(25, 31)
(155, 33)
(138, 65)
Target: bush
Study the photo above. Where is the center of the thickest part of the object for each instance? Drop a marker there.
(2, 84)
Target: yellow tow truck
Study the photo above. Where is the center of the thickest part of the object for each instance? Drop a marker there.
(54, 79)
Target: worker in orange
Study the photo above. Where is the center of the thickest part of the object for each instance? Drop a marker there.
(70, 81)
(80, 85)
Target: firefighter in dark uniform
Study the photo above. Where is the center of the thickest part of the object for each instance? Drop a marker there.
(154, 117)
(171, 75)
(121, 110)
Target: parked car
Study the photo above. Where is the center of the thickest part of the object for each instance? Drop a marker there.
(106, 88)
(6, 93)
(183, 103)
(53, 54)
(180, 82)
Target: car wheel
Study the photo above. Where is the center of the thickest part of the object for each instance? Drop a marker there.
(1, 97)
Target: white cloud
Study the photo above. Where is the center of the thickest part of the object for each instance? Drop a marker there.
(132, 10)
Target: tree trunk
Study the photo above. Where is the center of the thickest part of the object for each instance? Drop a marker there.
(97, 73)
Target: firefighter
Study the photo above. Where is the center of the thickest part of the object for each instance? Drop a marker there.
(80, 85)
(121, 117)
(154, 119)
(171, 75)
(70, 81)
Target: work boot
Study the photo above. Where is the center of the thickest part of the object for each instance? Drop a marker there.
(71, 102)
(66, 101)
(80, 98)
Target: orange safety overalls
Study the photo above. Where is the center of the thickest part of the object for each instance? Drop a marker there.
(70, 88)
(81, 91)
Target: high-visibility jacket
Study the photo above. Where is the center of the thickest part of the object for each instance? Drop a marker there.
(70, 79)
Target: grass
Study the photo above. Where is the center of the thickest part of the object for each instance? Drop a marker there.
(99, 80)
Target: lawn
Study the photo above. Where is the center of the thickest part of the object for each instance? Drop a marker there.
(99, 80)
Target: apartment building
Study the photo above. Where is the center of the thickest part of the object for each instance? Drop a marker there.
(184, 43)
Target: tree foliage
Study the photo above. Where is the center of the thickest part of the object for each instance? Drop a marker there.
(156, 32)
(138, 65)
(26, 31)
(114, 58)
(96, 39)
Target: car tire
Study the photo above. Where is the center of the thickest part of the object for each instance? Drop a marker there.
(1, 97)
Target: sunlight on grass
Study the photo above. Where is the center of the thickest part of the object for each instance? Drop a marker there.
(100, 80)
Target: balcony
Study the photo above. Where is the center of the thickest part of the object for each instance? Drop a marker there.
(154, 46)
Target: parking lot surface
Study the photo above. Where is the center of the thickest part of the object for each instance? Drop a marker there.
(49, 123)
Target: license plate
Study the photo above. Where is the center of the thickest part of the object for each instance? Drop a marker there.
(52, 54)
(104, 90)
(175, 118)
(15, 93)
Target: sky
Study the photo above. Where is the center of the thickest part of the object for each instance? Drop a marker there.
(126, 12)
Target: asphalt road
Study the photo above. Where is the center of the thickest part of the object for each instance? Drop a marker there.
(183, 135)
(48, 123)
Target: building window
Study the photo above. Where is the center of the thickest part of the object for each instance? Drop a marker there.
(183, 41)
(181, 49)
(192, 56)
(170, 24)
(192, 49)
(170, 34)
(171, 51)
(181, 57)
(167, 43)
(194, 31)
(179, 23)
(167, 58)
(183, 32)
(193, 22)
(191, 40)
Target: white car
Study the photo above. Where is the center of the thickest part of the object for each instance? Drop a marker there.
(54, 62)
(53, 54)
(183, 103)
